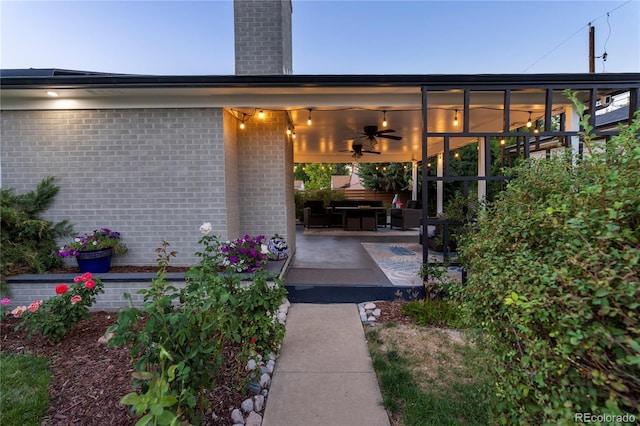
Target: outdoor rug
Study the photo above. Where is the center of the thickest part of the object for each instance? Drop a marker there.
(401, 262)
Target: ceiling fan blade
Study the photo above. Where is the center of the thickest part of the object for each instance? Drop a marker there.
(386, 131)
(371, 152)
(395, 138)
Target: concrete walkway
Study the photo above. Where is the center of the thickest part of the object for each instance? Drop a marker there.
(324, 375)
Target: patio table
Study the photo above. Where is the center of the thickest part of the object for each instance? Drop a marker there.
(358, 218)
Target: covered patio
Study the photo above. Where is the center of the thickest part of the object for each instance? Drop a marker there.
(242, 134)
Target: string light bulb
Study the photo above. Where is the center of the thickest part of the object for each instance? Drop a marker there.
(529, 123)
(455, 118)
(457, 154)
(384, 119)
(288, 131)
(242, 120)
(293, 135)
(261, 114)
(309, 119)
(502, 141)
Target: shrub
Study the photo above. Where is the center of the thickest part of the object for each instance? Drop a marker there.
(56, 316)
(28, 240)
(553, 279)
(192, 326)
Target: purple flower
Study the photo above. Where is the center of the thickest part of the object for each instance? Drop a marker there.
(233, 259)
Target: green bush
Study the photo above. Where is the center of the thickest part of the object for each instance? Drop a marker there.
(28, 240)
(192, 327)
(554, 273)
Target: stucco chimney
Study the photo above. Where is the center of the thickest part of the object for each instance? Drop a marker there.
(262, 31)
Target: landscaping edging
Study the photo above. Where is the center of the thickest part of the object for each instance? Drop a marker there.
(24, 289)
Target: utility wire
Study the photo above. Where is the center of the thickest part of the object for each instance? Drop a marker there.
(574, 34)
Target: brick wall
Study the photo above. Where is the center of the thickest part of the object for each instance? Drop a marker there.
(232, 189)
(151, 174)
(265, 175)
(262, 35)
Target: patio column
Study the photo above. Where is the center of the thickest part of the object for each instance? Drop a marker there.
(482, 160)
(414, 179)
(572, 123)
(439, 184)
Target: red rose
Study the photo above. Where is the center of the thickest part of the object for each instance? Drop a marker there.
(61, 289)
(86, 276)
(90, 284)
(253, 340)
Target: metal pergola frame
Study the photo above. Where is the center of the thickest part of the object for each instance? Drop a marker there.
(589, 96)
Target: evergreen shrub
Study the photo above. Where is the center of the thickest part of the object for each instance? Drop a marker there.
(27, 239)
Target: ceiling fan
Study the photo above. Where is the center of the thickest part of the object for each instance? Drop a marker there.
(372, 132)
(357, 151)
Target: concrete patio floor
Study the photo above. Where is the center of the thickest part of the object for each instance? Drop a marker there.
(337, 269)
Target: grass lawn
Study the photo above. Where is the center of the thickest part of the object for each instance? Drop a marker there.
(430, 376)
(24, 380)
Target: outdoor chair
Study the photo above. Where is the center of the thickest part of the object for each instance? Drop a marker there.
(409, 217)
(316, 214)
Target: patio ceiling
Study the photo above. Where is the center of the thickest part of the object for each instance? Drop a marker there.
(340, 105)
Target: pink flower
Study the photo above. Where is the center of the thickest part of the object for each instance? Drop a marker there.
(35, 305)
(90, 284)
(86, 276)
(61, 289)
(77, 279)
(76, 299)
(17, 312)
(5, 301)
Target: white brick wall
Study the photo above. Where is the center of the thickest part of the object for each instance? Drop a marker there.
(262, 35)
(265, 159)
(151, 174)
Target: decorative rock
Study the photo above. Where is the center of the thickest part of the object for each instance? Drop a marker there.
(247, 405)
(258, 403)
(251, 365)
(237, 417)
(270, 366)
(272, 356)
(282, 317)
(264, 369)
(254, 387)
(371, 318)
(376, 312)
(369, 305)
(265, 381)
(254, 419)
(103, 340)
(265, 393)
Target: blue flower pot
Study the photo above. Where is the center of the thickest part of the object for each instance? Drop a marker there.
(95, 261)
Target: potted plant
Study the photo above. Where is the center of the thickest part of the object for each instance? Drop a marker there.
(93, 250)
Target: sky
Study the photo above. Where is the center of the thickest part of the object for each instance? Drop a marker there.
(329, 37)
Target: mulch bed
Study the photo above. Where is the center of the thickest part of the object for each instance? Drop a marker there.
(89, 379)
